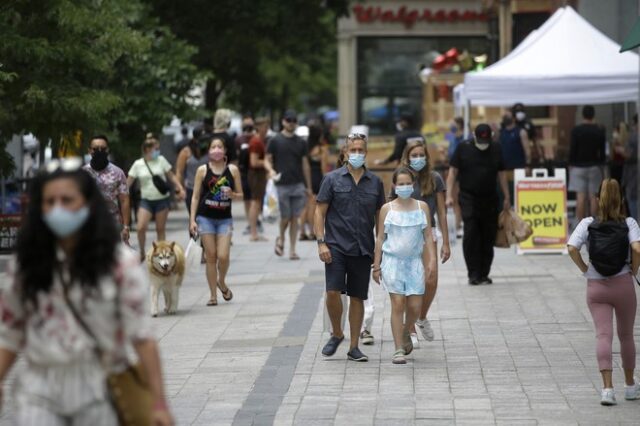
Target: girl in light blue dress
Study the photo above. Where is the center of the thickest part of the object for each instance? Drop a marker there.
(404, 258)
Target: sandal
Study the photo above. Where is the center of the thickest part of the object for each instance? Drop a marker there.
(226, 294)
(408, 345)
(212, 302)
(259, 238)
(294, 257)
(279, 247)
(398, 357)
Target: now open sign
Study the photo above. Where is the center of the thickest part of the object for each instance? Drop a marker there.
(541, 201)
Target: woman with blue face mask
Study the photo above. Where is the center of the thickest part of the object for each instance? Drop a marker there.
(74, 307)
(430, 188)
(153, 202)
(404, 258)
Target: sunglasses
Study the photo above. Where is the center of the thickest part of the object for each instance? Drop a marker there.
(291, 120)
(68, 164)
(353, 136)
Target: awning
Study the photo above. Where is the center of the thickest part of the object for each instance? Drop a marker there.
(633, 39)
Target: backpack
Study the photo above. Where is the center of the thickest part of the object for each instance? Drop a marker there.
(608, 246)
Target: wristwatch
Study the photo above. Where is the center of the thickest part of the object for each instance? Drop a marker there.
(321, 241)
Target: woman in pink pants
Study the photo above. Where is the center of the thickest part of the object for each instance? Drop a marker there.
(609, 294)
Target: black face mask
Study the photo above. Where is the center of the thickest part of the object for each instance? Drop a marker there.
(506, 122)
(99, 159)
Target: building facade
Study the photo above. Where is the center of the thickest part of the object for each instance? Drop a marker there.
(382, 45)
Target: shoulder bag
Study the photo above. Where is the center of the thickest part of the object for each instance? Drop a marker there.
(129, 390)
(161, 185)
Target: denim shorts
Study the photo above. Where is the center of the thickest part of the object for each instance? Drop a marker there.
(155, 206)
(214, 226)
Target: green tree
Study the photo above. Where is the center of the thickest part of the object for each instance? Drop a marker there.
(88, 65)
(252, 46)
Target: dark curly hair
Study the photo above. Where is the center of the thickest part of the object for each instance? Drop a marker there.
(94, 255)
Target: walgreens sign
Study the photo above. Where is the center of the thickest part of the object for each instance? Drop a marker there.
(409, 16)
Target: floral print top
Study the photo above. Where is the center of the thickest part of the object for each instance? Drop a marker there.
(51, 335)
(112, 183)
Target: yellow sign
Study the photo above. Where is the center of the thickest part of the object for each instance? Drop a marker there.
(542, 203)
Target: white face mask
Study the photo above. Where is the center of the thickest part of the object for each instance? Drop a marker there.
(482, 146)
(520, 115)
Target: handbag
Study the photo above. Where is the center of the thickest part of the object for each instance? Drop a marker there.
(129, 390)
(161, 185)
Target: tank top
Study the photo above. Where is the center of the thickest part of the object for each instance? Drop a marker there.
(191, 168)
(404, 229)
(213, 204)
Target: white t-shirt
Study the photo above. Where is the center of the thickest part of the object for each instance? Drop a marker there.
(580, 237)
(139, 170)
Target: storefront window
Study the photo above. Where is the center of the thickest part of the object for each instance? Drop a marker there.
(388, 83)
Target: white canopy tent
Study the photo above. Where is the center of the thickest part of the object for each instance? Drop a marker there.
(566, 61)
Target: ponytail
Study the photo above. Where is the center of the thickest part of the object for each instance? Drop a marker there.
(610, 201)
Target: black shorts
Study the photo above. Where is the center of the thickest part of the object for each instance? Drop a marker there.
(348, 274)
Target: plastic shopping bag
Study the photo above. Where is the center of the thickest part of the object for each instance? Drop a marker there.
(193, 253)
(270, 208)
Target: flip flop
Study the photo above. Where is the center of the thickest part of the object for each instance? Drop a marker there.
(294, 257)
(279, 247)
(226, 295)
(260, 238)
(212, 302)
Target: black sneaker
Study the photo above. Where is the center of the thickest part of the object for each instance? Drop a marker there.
(356, 355)
(486, 280)
(332, 345)
(474, 281)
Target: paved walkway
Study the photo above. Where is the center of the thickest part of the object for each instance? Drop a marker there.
(518, 352)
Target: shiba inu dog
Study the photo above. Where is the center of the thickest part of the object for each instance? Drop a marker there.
(166, 264)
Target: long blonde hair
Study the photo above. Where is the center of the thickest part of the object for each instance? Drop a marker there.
(427, 185)
(610, 201)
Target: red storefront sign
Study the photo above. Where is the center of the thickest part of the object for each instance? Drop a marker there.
(409, 17)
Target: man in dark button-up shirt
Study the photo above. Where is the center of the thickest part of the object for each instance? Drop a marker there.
(349, 201)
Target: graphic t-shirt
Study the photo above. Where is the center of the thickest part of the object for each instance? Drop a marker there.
(159, 167)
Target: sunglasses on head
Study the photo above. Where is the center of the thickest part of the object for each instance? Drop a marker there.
(353, 136)
(68, 164)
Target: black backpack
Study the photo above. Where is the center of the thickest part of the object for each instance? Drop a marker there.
(608, 246)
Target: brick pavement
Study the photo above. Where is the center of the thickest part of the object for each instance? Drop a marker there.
(520, 351)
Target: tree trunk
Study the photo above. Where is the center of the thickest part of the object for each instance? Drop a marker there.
(212, 93)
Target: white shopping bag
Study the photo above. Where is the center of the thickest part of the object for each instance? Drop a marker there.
(193, 253)
(270, 208)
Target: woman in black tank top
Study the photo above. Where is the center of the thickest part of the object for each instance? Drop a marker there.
(216, 185)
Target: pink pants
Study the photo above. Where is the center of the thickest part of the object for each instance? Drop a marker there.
(604, 297)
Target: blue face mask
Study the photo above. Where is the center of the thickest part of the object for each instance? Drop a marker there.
(418, 163)
(63, 222)
(404, 191)
(155, 154)
(356, 160)
(453, 128)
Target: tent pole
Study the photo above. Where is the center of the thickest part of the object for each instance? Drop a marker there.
(467, 118)
(638, 130)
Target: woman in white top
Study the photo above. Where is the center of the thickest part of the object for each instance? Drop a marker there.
(614, 293)
(70, 268)
(152, 202)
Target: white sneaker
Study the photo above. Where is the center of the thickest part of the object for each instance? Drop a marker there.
(414, 341)
(425, 328)
(608, 397)
(632, 392)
